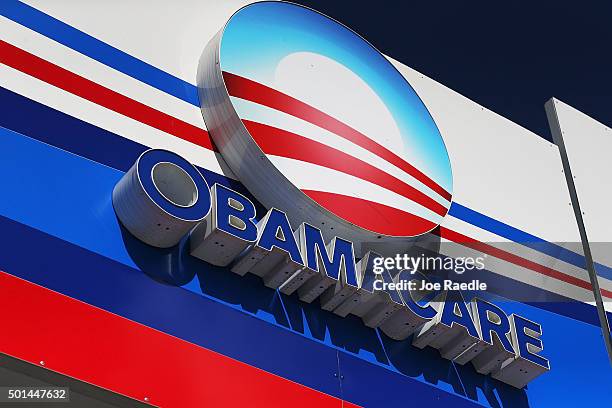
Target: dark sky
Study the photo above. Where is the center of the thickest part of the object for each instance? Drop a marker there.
(509, 56)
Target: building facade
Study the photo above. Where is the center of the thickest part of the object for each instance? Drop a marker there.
(88, 88)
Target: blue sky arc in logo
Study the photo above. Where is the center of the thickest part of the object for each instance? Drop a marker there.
(336, 118)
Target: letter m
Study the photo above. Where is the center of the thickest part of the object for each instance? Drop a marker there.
(330, 260)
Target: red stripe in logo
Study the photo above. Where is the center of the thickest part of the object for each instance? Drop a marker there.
(255, 92)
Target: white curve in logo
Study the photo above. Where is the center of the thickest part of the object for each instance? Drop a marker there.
(336, 90)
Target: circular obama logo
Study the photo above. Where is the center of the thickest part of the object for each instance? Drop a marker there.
(315, 121)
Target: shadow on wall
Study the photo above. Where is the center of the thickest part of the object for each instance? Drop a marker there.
(175, 266)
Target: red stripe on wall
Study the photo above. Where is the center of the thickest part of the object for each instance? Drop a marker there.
(389, 220)
(95, 346)
(245, 88)
(279, 142)
(515, 259)
(86, 89)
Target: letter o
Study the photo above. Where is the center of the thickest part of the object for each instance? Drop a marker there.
(161, 198)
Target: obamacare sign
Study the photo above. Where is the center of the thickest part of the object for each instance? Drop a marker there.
(337, 146)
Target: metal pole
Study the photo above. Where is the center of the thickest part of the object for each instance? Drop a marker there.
(555, 127)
